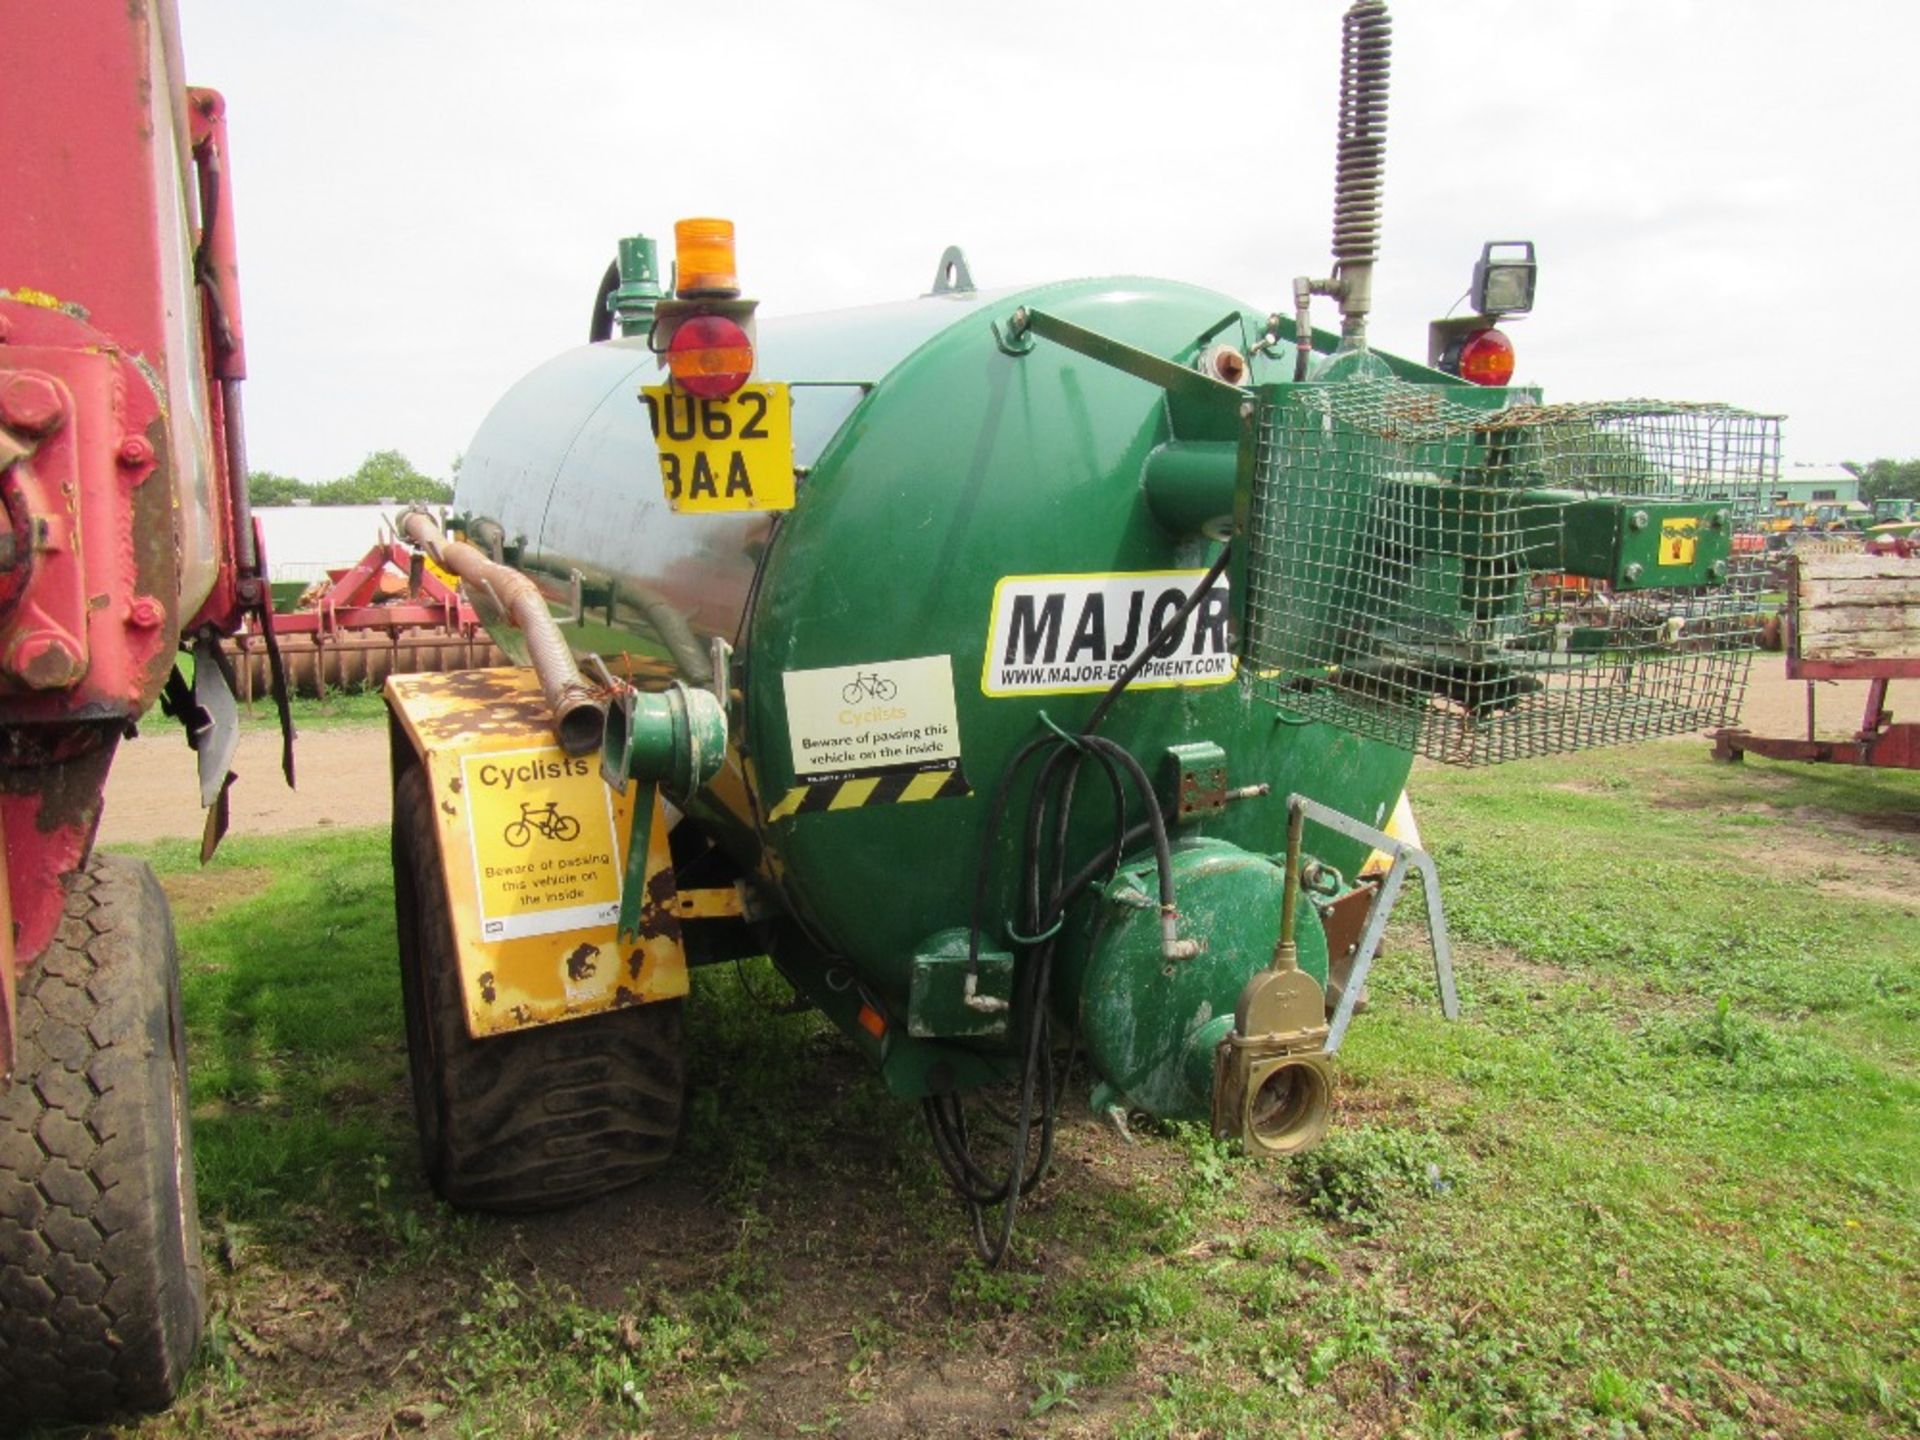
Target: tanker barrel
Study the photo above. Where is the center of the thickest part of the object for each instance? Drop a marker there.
(579, 713)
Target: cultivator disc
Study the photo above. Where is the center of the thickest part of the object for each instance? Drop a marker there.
(318, 665)
(1483, 585)
(389, 613)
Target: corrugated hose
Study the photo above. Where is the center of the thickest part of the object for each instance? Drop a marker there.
(579, 711)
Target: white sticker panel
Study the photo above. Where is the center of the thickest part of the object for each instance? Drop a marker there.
(886, 715)
(1057, 634)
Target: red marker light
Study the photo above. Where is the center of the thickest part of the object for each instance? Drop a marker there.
(1486, 358)
(710, 356)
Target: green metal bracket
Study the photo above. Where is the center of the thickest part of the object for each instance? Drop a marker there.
(910, 1067)
(1638, 544)
(1179, 381)
(1199, 771)
(943, 1005)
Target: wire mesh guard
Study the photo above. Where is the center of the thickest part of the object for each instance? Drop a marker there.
(1459, 582)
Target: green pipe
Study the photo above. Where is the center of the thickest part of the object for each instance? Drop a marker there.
(1190, 485)
(638, 295)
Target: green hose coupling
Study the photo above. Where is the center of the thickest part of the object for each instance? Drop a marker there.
(675, 739)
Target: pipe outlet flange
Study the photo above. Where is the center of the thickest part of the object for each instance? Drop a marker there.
(675, 738)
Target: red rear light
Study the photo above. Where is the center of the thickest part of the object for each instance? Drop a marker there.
(1486, 358)
(710, 356)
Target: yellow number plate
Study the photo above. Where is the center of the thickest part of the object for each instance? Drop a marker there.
(731, 454)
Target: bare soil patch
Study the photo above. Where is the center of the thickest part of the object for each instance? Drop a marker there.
(154, 794)
(1777, 706)
(197, 894)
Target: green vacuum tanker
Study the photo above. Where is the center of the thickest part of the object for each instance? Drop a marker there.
(1023, 671)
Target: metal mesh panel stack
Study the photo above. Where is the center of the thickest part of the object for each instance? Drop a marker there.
(1468, 585)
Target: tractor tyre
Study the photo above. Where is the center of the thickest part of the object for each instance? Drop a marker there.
(102, 1285)
(534, 1119)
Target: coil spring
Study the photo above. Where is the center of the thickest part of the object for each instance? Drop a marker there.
(1366, 46)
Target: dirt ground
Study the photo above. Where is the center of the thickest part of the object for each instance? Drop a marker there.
(153, 794)
(1777, 706)
(342, 772)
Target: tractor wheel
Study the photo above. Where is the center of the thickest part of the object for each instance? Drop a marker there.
(537, 1118)
(101, 1279)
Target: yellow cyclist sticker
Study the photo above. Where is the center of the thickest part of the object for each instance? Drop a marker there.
(1679, 539)
(546, 856)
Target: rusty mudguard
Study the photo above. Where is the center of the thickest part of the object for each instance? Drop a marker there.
(532, 849)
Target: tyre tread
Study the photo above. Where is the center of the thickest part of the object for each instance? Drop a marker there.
(101, 1278)
(535, 1119)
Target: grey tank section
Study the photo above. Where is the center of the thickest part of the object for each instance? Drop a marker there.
(565, 465)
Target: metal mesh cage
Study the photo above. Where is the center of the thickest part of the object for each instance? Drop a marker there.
(1481, 585)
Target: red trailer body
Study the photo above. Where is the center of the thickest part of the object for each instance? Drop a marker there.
(1849, 617)
(124, 534)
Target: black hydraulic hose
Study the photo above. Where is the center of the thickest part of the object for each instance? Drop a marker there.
(1046, 905)
(1174, 622)
(1040, 917)
(1156, 819)
(1105, 860)
(601, 327)
(995, 810)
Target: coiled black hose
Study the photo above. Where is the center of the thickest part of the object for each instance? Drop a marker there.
(1048, 894)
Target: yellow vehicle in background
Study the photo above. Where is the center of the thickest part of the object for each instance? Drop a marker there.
(1823, 515)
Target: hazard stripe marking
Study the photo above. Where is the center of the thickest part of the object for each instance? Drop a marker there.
(894, 788)
(852, 794)
(924, 787)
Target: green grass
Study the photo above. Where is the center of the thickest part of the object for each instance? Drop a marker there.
(1661, 1179)
(342, 709)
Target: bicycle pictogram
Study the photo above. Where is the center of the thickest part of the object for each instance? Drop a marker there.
(543, 820)
(869, 687)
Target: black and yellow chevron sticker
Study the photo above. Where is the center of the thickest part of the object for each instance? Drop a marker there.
(896, 787)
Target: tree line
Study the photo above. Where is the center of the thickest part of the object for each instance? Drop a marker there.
(383, 475)
(1887, 479)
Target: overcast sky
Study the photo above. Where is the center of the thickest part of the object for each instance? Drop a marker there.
(1723, 192)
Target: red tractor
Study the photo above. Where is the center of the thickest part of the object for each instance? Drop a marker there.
(125, 539)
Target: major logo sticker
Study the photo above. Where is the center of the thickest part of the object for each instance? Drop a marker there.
(874, 734)
(545, 854)
(1058, 634)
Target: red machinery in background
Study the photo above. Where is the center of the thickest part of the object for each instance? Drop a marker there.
(1852, 616)
(389, 613)
(126, 538)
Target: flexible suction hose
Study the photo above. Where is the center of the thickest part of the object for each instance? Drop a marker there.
(579, 713)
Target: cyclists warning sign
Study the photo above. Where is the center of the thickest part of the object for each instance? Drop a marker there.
(890, 715)
(545, 853)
